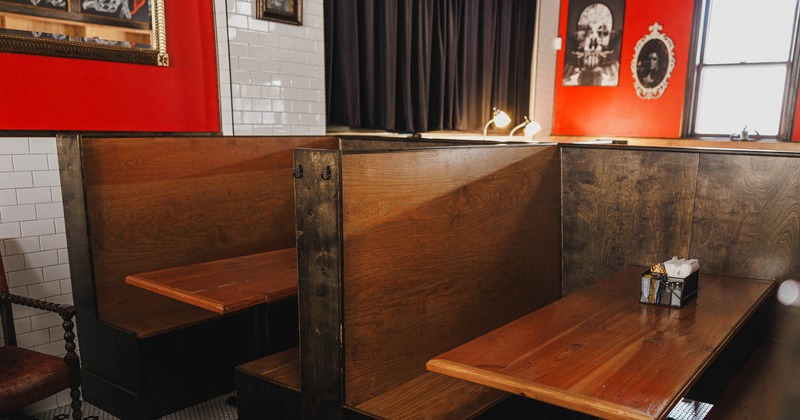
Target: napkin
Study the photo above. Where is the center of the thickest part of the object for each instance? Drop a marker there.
(681, 268)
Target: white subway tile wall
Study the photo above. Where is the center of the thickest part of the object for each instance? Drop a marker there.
(33, 249)
(33, 244)
(271, 74)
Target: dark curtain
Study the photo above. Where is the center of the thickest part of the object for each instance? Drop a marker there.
(422, 65)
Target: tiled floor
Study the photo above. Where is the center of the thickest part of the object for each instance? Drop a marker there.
(689, 410)
(218, 409)
(215, 409)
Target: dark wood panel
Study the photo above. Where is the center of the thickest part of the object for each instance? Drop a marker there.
(747, 216)
(624, 207)
(319, 269)
(440, 246)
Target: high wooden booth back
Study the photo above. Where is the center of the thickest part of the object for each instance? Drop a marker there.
(737, 212)
(139, 204)
(405, 254)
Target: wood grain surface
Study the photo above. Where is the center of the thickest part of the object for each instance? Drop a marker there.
(154, 203)
(433, 396)
(747, 216)
(624, 207)
(282, 368)
(601, 352)
(227, 285)
(319, 254)
(440, 246)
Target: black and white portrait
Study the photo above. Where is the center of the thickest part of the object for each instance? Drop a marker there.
(652, 64)
(594, 36)
(286, 11)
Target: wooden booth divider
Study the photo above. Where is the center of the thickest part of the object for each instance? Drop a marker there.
(403, 254)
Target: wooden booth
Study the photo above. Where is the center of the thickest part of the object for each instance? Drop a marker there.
(133, 205)
(404, 249)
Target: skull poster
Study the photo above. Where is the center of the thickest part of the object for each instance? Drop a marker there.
(594, 37)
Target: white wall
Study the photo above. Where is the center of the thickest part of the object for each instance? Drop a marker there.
(272, 74)
(33, 242)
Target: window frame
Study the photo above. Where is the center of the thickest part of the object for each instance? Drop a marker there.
(696, 65)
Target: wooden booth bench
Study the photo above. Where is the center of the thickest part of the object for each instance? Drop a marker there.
(402, 255)
(133, 205)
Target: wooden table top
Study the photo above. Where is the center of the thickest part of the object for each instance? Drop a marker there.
(601, 352)
(227, 285)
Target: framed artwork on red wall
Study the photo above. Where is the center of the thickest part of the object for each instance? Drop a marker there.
(93, 95)
(594, 36)
(653, 62)
(127, 31)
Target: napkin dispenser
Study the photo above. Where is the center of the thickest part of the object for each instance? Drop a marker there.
(675, 290)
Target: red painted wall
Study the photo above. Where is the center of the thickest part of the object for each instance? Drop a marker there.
(618, 111)
(63, 94)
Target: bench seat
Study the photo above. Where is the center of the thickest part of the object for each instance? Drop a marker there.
(270, 387)
(750, 395)
(432, 396)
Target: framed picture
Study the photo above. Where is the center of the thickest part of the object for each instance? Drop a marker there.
(46, 4)
(126, 10)
(286, 11)
(653, 62)
(594, 36)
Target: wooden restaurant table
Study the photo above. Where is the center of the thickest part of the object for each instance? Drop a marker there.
(601, 352)
(227, 285)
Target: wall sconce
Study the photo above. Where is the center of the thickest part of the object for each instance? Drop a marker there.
(499, 118)
(531, 128)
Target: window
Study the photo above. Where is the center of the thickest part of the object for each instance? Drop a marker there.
(744, 74)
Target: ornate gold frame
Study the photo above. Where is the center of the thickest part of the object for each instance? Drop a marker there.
(88, 50)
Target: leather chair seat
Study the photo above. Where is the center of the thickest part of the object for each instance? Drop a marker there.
(28, 376)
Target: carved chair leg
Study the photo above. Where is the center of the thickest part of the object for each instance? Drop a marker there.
(73, 361)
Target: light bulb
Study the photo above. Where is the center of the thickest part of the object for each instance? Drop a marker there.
(501, 119)
(532, 128)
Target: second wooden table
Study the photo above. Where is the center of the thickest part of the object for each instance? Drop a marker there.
(601, 352)
(227, 285)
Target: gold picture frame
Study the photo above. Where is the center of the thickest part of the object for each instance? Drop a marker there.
(286, 11)
(153, 51)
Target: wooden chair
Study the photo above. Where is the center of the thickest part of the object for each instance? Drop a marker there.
(27, 376)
